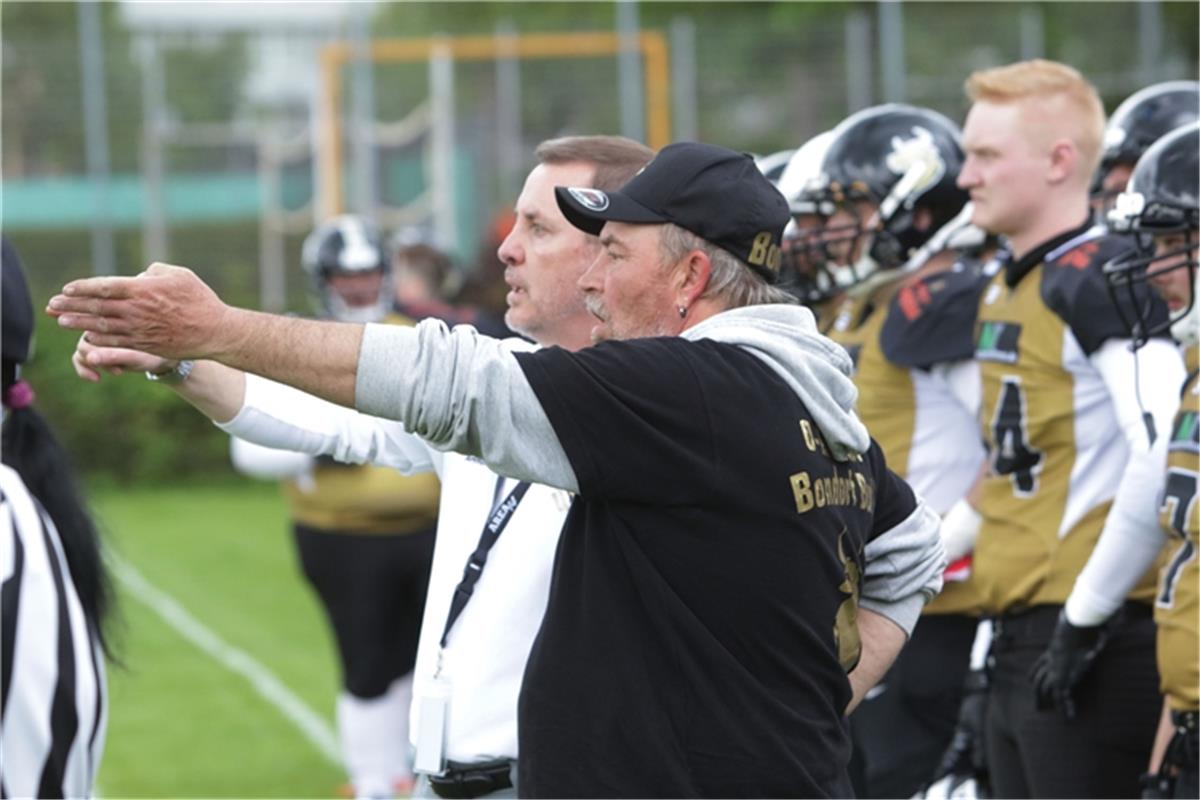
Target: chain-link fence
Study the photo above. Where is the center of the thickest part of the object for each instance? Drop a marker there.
(216, 147)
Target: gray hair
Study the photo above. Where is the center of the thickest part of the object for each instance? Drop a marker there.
(732, 281)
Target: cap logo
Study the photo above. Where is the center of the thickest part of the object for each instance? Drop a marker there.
(591, 199)
(918, 155)
(764, 252)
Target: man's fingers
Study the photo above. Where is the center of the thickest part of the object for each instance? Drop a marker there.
(94, 325)
(83, 370)
(106, 287)
(117, 359)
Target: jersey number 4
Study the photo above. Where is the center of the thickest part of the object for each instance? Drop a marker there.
(1012, 454)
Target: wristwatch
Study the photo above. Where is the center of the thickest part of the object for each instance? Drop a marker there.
(177, 374)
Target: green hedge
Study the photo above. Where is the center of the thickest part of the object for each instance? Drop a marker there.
(124, 429)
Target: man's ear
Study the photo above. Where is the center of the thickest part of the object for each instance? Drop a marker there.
(692, 274)
(1064, 157)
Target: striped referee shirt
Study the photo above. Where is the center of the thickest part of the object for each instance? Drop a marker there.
(53, 711)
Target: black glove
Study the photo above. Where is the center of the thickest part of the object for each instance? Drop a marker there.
(1067, 658)
(966, 757)
(1156, 785)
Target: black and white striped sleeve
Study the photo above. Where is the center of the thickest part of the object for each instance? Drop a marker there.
(52, 687)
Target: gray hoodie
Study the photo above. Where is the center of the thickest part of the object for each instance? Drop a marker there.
(466, 393)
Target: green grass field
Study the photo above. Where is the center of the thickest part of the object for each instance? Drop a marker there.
(183, 722)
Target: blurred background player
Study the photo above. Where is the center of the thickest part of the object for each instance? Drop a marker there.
(426, 282)
(1163, 202)
(1142, 119)
(773, 164)
(55, 594)
(1068, 446)
(364, 534)
(803, 270)
(907, 319)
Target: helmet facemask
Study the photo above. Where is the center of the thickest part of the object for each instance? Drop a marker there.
(1129, 278)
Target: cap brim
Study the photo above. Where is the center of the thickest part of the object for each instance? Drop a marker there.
(614, 207)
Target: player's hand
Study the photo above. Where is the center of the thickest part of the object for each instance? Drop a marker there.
(962, 771)
(91, 361)
(166, 310)
(1067, 658)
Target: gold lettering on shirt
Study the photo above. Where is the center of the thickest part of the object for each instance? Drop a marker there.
(851, 490)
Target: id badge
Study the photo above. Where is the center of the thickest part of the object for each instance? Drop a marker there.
(432, 718)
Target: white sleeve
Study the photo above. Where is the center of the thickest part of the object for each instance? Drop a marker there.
(277, 416)
(267, 463)
(1131, 538)
(964, 381)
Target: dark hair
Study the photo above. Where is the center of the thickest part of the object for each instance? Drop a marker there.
(616, 158)
(31, 448)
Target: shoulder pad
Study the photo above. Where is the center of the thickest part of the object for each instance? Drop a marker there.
(1074, 288)
(931, 320)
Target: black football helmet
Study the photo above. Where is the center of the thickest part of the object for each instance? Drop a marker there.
(1163, 197)
(899, 158)
(1145, 117)
(342, 245)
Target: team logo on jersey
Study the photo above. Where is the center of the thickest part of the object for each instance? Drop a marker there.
(592, 199)
(1186, 435)
(918, 157)
(997, 341)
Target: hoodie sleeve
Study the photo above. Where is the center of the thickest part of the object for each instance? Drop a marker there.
(905, 559)
(464, 392)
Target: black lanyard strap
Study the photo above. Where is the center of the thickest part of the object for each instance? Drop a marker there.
(502, 514)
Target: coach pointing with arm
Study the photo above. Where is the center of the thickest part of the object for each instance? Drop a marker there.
(705, 602)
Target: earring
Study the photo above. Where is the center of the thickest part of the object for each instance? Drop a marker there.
(682, 312)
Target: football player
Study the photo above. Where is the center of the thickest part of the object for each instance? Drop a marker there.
(907, 319)
(1163, 202)
(1068, 447)
(1141, 119)
(803, 253)
(367, 522)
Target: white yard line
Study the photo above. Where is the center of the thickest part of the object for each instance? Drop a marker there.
(311, 724)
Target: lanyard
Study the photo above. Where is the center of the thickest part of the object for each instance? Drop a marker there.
(502, 514)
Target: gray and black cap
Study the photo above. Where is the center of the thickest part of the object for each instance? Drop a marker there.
(715, 193)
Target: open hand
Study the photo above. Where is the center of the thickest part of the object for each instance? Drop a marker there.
(167, 311)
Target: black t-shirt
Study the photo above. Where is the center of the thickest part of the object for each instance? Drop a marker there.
(689, 645)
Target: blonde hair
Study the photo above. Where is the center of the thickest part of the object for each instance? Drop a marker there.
(1061, 87)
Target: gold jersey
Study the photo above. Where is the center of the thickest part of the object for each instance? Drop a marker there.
(927, 435)
(1055, 451)
(1177, 604)
(360, 498)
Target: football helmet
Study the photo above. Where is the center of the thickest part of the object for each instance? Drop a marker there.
(901, 159)
(1145, 117)
(347, 245)
(804, 256)
(1163, 198)
(772, 166)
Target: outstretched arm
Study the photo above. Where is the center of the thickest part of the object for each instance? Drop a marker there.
(170, 312)
(271, 414)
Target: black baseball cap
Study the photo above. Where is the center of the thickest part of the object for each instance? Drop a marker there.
(716, 193)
